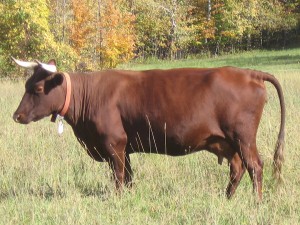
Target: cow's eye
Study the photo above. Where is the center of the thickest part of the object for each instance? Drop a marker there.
(38, 89)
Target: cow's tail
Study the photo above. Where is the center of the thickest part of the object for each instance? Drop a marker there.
(278, 155)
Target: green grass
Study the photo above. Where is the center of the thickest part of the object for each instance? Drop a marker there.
(49, 179)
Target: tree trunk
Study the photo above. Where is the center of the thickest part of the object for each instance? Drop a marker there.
(208, 15)
(131, 3)
(208, 10)
(99, 33)
(284, 38)
(248, 41)
(64, 22)
(172, 36)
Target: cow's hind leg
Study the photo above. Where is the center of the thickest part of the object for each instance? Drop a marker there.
(250, 157)
(237, 170)
(223, 148)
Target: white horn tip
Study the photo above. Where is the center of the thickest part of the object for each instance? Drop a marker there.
(28, 65)
(47, 67)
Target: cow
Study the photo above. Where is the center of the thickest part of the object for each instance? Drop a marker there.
(114, 113)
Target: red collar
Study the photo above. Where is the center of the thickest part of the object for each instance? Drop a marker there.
(67, 99)
(68, 96)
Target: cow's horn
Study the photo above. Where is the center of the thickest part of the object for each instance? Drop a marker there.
(49, 68)
(28, 65)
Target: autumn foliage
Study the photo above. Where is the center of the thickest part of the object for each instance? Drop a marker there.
(96, 34)
(117, 35)
(81, 26)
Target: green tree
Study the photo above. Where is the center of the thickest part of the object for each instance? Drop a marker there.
(233, 24)
(24, 27)
(25, 32)
(162, 27)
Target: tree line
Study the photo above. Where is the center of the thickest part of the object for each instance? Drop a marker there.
(96, 34)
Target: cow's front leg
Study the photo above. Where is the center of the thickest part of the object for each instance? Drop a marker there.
(128, 171)
(116, 149)
(112, 134)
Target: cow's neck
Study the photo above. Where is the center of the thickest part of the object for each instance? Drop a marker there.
(79, 97)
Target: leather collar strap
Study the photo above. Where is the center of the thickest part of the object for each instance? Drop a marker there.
(68, 96)
(67, 99)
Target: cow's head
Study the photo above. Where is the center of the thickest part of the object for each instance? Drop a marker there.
(44, 94)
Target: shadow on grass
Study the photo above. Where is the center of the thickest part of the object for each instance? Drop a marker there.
(253, 60)
(43, 192)
(267, 60)
(102, 192)
(46, 192)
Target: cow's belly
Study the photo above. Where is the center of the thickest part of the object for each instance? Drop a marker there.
(159, 143)
(154, 145)
(175, 140)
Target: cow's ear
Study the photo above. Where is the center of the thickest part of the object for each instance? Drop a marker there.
(57, 79)
(52, 62)
(54, 81)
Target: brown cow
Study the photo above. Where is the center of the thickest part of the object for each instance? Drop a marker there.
(176, 112)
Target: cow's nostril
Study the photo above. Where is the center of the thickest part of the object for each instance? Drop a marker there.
(17, 117)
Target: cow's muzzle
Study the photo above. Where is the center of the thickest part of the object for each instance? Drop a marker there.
(19, 117)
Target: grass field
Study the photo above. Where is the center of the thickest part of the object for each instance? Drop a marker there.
(49, 179)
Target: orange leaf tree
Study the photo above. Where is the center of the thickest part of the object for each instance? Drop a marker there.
(117, 34)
